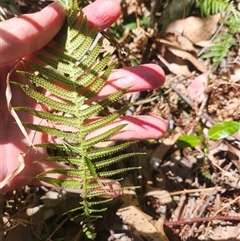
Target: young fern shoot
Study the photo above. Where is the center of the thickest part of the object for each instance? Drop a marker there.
(70, 69)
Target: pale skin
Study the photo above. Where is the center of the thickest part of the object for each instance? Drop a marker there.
(19, 37)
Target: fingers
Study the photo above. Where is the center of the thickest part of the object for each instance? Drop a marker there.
(139, 78)
(137, 128)
(141, 128)
(25, 34)
(102, 13)
(28, 33)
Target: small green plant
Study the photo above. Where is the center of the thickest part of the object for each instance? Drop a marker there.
(73, 71)
(216, 132)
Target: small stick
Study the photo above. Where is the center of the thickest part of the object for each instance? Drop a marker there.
(218, 188)
(200, 219)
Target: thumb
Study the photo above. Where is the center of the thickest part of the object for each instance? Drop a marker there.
(23, 35)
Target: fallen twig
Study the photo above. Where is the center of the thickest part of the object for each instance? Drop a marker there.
(201, 219)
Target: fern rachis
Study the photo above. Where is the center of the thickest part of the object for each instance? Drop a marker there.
(73, 72)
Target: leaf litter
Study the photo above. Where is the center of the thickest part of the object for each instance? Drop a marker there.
(189, 193)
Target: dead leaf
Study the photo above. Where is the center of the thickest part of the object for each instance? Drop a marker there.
(164, 147)
(196, 90)
(236, 74)
(215, 147)
(194, 28)
(53, 198)
(204, 44)
(187, 56)
(13, 174)
(140, 224)
(179, 41)
(232, 106)
(185, 43)
(162, 195)
(175, 10)
(180, 70)
(225, 233)
(234, 155)
(159, 225)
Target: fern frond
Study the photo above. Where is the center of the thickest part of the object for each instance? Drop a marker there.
(74, 71)
(221, 47)
(223, 43)
(209, 7)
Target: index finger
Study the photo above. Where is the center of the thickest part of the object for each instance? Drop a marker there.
(28, 33)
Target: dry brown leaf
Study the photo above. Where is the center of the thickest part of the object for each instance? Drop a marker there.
(236, 74)
(215, 147)
(128, 196)
(234, 155)
(179, 41)
(194, 28)
(185, 55)
(159, 226)
(232, 106)
(180, 70)
(162, 195)
(13, 174)
(225, 233)
(164, 147)
(185, 43)
(204, 43)
(140, 224)
(213, 151)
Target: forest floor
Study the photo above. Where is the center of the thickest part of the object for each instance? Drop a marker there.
(187, 192)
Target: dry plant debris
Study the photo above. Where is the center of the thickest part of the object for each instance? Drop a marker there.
(186, 194)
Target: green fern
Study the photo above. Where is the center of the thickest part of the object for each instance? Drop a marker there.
(209, 7)
(223, 43)
(73, 63)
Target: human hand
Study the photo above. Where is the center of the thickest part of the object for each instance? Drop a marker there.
(28, 33)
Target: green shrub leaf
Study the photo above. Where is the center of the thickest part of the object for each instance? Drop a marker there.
(188, 141)
(223, 130)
